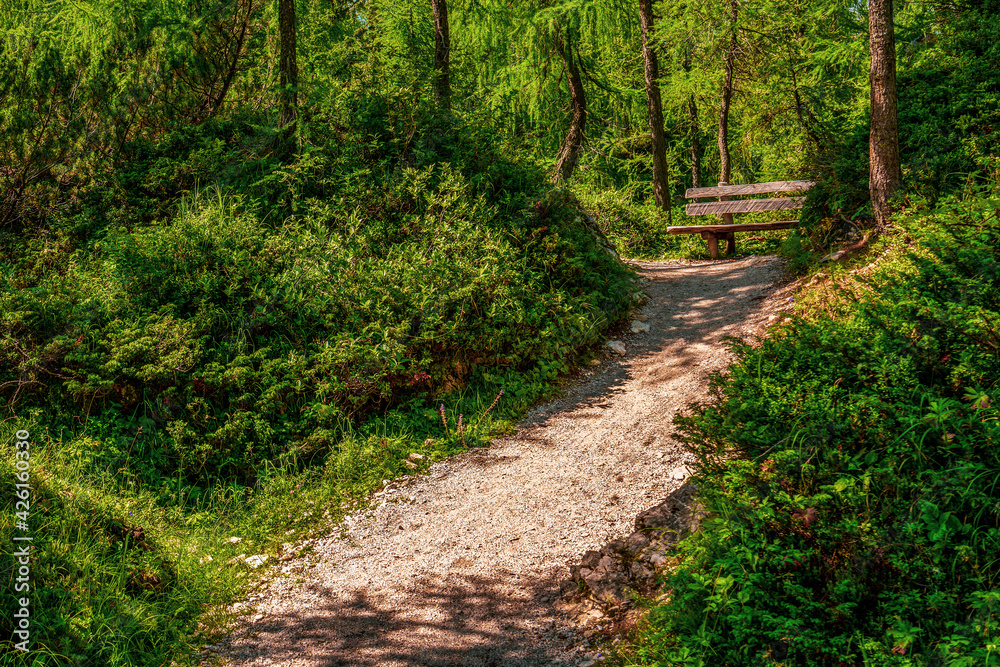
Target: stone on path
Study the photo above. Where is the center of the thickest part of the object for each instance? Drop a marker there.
(616, 346)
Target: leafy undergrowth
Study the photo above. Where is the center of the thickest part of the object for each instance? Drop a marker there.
(247, 359)
(850, 468)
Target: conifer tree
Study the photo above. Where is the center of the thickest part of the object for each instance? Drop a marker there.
(569, 153)
(288, 65)
(725, 163)
(442, 54)
(883, 146)
(661, 185)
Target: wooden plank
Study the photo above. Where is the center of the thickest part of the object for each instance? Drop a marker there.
(749, 189)
(745, 206)
(722, 229)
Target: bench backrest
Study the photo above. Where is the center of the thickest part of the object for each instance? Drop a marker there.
(746, 205)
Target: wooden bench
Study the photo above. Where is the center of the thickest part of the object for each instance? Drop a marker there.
(726, 208)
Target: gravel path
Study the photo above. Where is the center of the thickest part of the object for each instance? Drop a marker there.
(461, 566)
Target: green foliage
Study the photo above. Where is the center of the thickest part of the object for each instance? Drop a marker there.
(859, 521)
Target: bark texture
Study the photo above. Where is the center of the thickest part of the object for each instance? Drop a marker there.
(442, 55)
(654, 104)
(287, 64)
(885, 174)
(569, 153)
(725, 166)
(695, 142)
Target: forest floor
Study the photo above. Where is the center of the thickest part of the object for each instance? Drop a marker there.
(462, 565)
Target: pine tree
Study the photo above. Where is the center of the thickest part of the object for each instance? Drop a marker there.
(883, 146)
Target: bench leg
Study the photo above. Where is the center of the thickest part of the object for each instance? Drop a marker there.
(731, 243)
(713, 243)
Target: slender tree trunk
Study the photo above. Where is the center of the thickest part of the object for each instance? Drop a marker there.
(695, 142)
(569, 154)
(287, 66)
(805, 116)
(885, 175)
(725, 168)
(442, 55)
(661, 178)
(695, 131)
(233, 64)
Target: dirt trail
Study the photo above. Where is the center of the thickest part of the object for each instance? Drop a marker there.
(462, 566)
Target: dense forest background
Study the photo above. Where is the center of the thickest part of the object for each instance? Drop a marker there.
(256, 247)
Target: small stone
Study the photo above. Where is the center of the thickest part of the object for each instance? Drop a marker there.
(639, 327)
(235, 540)
(616, 346)
(428, 442)
(256, 561)
(411, 465)
(416, 457)
(204, 559)
(237, 559)
(641, 317)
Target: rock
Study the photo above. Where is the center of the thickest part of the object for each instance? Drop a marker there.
(639, 327)
(411, 465)
(237, 559)
(641, 317)
(641, 573)
(636, 542)
(616, 346)
(617, 546)
(834, 256)
(428, 442)
(673, 514)
(204, 559)
(653, 556)
(256, 561)
(416, 457)
(235, 540)
(604, 576)
(590, 559)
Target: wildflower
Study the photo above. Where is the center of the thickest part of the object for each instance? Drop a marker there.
(491, 406)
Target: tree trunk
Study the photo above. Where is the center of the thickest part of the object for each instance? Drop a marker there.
(725, 168)
(695, 142)
(569, 153)
(237, 54)
(694, 130)
(885, 175)
(287, 67)
(442, 55)
(661, 178)
(806, 118)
